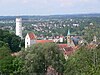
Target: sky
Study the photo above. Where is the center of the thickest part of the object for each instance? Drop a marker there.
(48, 7)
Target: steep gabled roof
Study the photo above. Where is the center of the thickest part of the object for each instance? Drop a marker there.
(32, 36)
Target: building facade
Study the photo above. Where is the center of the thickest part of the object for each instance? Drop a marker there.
(30, 39)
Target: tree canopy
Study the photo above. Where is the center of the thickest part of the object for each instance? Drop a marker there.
(11, 39)
(40, 56)
(84, 62)
(5, 60)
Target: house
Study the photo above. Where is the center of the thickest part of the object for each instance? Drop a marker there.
(61, 39)
(67, 50)
(31, 39)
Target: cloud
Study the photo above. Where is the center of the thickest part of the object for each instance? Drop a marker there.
(48, 6)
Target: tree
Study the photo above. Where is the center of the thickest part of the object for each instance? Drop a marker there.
(2, 44)
(40, 56)
(15, 43)
(84, 62)
(5, 60)
(11, 39)
(17, 66)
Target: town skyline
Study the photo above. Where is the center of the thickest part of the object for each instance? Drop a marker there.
(48, 7)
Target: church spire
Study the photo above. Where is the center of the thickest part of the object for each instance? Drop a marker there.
(69, 39)
(68, 32)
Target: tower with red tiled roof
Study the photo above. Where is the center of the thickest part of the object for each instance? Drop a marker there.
(30, 39)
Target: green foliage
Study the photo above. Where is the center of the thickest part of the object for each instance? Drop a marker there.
(15, 43)
(23, 43)
(2, 44)
(40, 56)
(5, 61)
(17, 65)
(84, 62)
(11, 39)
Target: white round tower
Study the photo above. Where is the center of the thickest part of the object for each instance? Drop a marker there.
(19, 27)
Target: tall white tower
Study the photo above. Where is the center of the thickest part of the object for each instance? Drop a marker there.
(19, 27)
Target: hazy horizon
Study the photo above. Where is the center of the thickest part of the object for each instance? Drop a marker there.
(48, 7)
(54, 14)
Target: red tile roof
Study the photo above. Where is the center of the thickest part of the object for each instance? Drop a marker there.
(62, 45)
(66, 49)
(69, 51)
(43, 41)
(32, 35)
